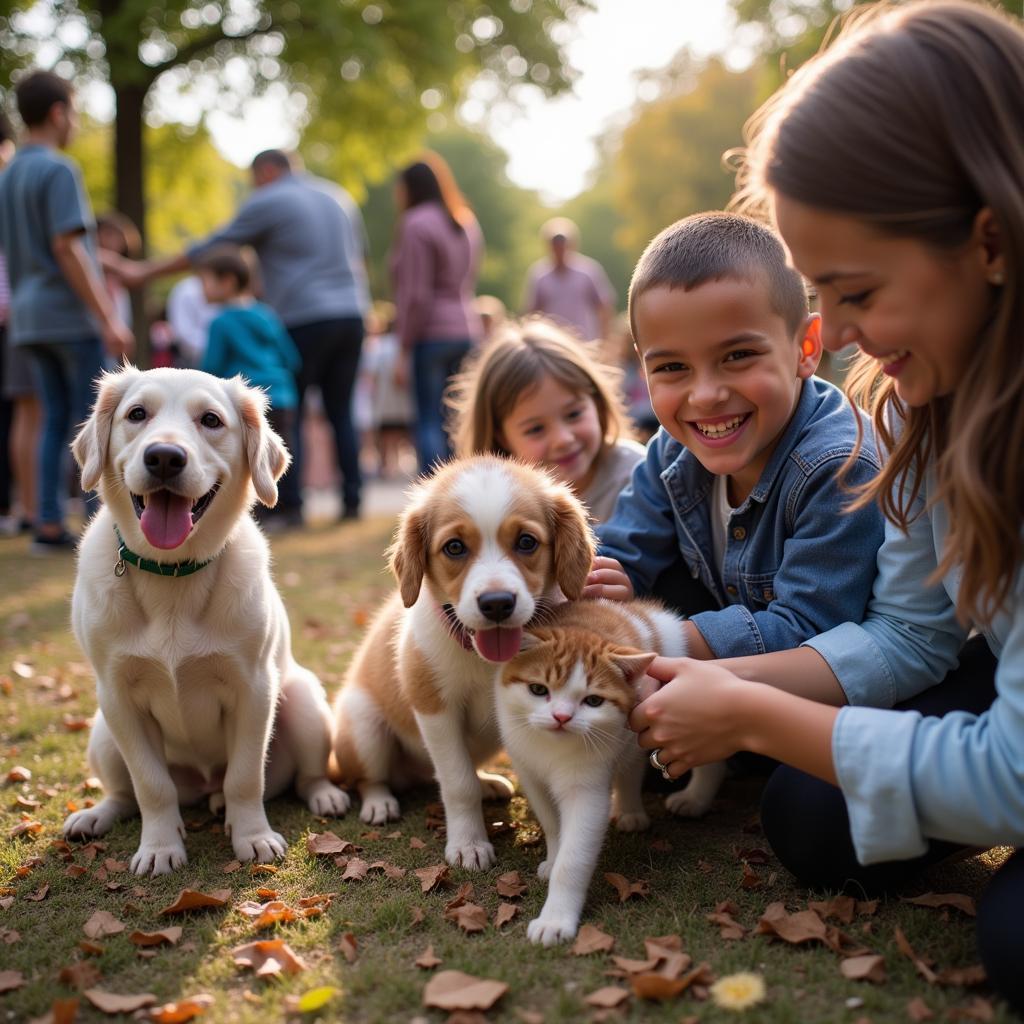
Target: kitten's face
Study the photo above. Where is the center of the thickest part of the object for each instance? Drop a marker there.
(571, 682)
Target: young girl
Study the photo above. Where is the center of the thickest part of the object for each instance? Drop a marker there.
(536, 392)
(892, 165)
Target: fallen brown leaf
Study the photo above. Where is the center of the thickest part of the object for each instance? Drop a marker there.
(963, 977)
(803, 926)
(869, 967)
(977, 1009)
(27, 826)
(62, 1011)
(111, 1002)
(453, 990)
(180, 1012)
(510, 885)
(427, 960)
(729, 927)
(432, 877)
(842, 908)
(751, 879)
(166, 935)
(591, 940)
(39, 895)
(189, 899)
(349, 947)
(946, 899)
(8, 936)
(918, 1010)
(625, 888)
(231, 867)
(468, 916)
(79, 975)
(416, 916)
(355, 870)
(908, 951)
(506, 911)
(326, 844)
(90, 948)
(268, 958)
(635, 966)
(391, 870)
(416, 843)
(608, 997)
(10, 980)
(102, 924)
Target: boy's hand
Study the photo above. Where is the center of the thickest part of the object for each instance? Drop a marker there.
(609, 580)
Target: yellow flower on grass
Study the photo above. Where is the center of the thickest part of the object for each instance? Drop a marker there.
(738, 991)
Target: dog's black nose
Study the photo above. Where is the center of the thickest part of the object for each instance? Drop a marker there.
(165, 460)
(497, 605)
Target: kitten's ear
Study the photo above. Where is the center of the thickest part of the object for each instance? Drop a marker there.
(632, 664)
(530, 642)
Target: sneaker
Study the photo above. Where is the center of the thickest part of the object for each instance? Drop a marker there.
(44, 545)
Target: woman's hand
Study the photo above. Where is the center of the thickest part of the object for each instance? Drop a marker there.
(608, 579)
(695, 717)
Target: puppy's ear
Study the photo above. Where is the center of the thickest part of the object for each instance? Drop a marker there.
(92, 441)
(264, 451)
(408, 553)
(573, 542)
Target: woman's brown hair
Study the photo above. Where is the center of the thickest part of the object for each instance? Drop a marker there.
(483, 395)
(430, 180)
(911, 121)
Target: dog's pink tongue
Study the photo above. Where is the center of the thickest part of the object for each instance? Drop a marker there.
(498, 644)
(167, 519)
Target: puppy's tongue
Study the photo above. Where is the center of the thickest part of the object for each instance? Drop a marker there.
(499, 643)
(167, 519)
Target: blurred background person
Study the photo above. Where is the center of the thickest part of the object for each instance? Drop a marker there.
(434, 263)
(493, 315)
(118, 237)
(189, 316)
(618, 350)
(571, 289)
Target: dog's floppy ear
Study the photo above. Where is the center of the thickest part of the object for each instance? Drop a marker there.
(92, 441)
(573, 542)
(408, 553)
(264, 451)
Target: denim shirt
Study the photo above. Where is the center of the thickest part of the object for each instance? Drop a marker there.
(795, 563)
(908, 778)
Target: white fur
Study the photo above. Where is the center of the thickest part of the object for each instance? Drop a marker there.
(198, 692)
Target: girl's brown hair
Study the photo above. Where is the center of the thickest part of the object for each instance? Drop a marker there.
(912, 122)
(483, 395)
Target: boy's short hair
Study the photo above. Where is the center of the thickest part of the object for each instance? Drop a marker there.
(226, 261)
(37, 93)
(6, 131)
(712, 246)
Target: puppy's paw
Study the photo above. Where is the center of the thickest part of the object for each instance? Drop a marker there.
(261, 846)
(326, 799)
(635, 821)
(544, 869)
(477, 855)
(379, 809)
(159, 858)
(495, 787)
(94, 821)
(548, 930)
(687, 804)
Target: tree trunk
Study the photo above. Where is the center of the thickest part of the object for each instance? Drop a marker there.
(130, 191)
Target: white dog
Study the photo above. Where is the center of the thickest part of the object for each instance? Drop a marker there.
(175, 608)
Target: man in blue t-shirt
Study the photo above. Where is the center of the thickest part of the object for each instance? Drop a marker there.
(59, 310)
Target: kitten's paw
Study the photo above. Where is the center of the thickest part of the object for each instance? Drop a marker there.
(685, 804)
(495, 787)
(548, 931)
(544, 869)
(637, 821)
(477, 855)
(379, 809)
(327, 800)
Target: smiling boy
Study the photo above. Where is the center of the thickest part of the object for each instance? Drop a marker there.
(740, 481)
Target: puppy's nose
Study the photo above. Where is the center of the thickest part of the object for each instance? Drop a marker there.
(497, 605)
(165, 460)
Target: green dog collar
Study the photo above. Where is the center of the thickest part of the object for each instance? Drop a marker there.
(126, 558)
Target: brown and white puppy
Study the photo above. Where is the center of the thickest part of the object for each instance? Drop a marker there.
(199, 694)
(483, 547)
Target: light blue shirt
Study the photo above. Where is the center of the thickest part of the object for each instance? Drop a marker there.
(908, 778)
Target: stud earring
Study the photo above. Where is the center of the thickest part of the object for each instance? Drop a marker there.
(997, 278)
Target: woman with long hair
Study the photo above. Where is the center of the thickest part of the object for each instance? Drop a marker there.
(434, 264)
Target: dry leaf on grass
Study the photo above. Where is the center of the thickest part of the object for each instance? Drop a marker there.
(751, 879)
(657, 987)
(946, 899)
(268, 958)
(753, 855)
(416, 916)
(977, 1009)
(180, 1012)
(625, 888)
(918, 1010)
(231, 867)
(355, 870)
(416, 844)
(19, 773)
(169, 935)
(39, 895)
(349, 947)
(468, 916)
(326, 844)
(908, 951)
(102, 924)
(803, 926)
(391, 870)
(111, 1002)
(10, 980)
(8, 936)
(426, 960)
(869, 967)
(962, 977)
(79, 975)
(634, 966)
(729, 927)
(62, 1011)
(453, 990)
(189, 899)
(842, 908)
(510, 885)
(591, 940)
(607, 998)
(506, 911)
(432, 877)
(27, 827)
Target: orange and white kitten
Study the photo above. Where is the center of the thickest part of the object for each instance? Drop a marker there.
(562, 706)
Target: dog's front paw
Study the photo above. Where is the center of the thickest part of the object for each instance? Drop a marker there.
(475, 854)
(687, 804)
(324, 798)
(159, 858)
(495, 787)
(636, 821)
(551, 929)
(95, 821)
(379, 809)
(258, 846)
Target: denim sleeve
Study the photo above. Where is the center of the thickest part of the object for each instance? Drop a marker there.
(910, 637)
(908, 778)
(826, 572)
(641, 533)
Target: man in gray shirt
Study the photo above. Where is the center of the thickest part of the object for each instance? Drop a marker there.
(60, 311)
(309, 237)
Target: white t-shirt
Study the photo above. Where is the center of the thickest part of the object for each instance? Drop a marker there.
(720, 512)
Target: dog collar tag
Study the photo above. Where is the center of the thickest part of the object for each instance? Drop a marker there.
(120, 568)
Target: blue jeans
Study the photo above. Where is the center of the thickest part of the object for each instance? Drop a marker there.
(434, 363)
(65, 373)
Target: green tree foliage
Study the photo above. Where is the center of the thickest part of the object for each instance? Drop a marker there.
(367, 72)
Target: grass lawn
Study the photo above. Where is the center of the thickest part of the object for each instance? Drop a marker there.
(331, 579)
